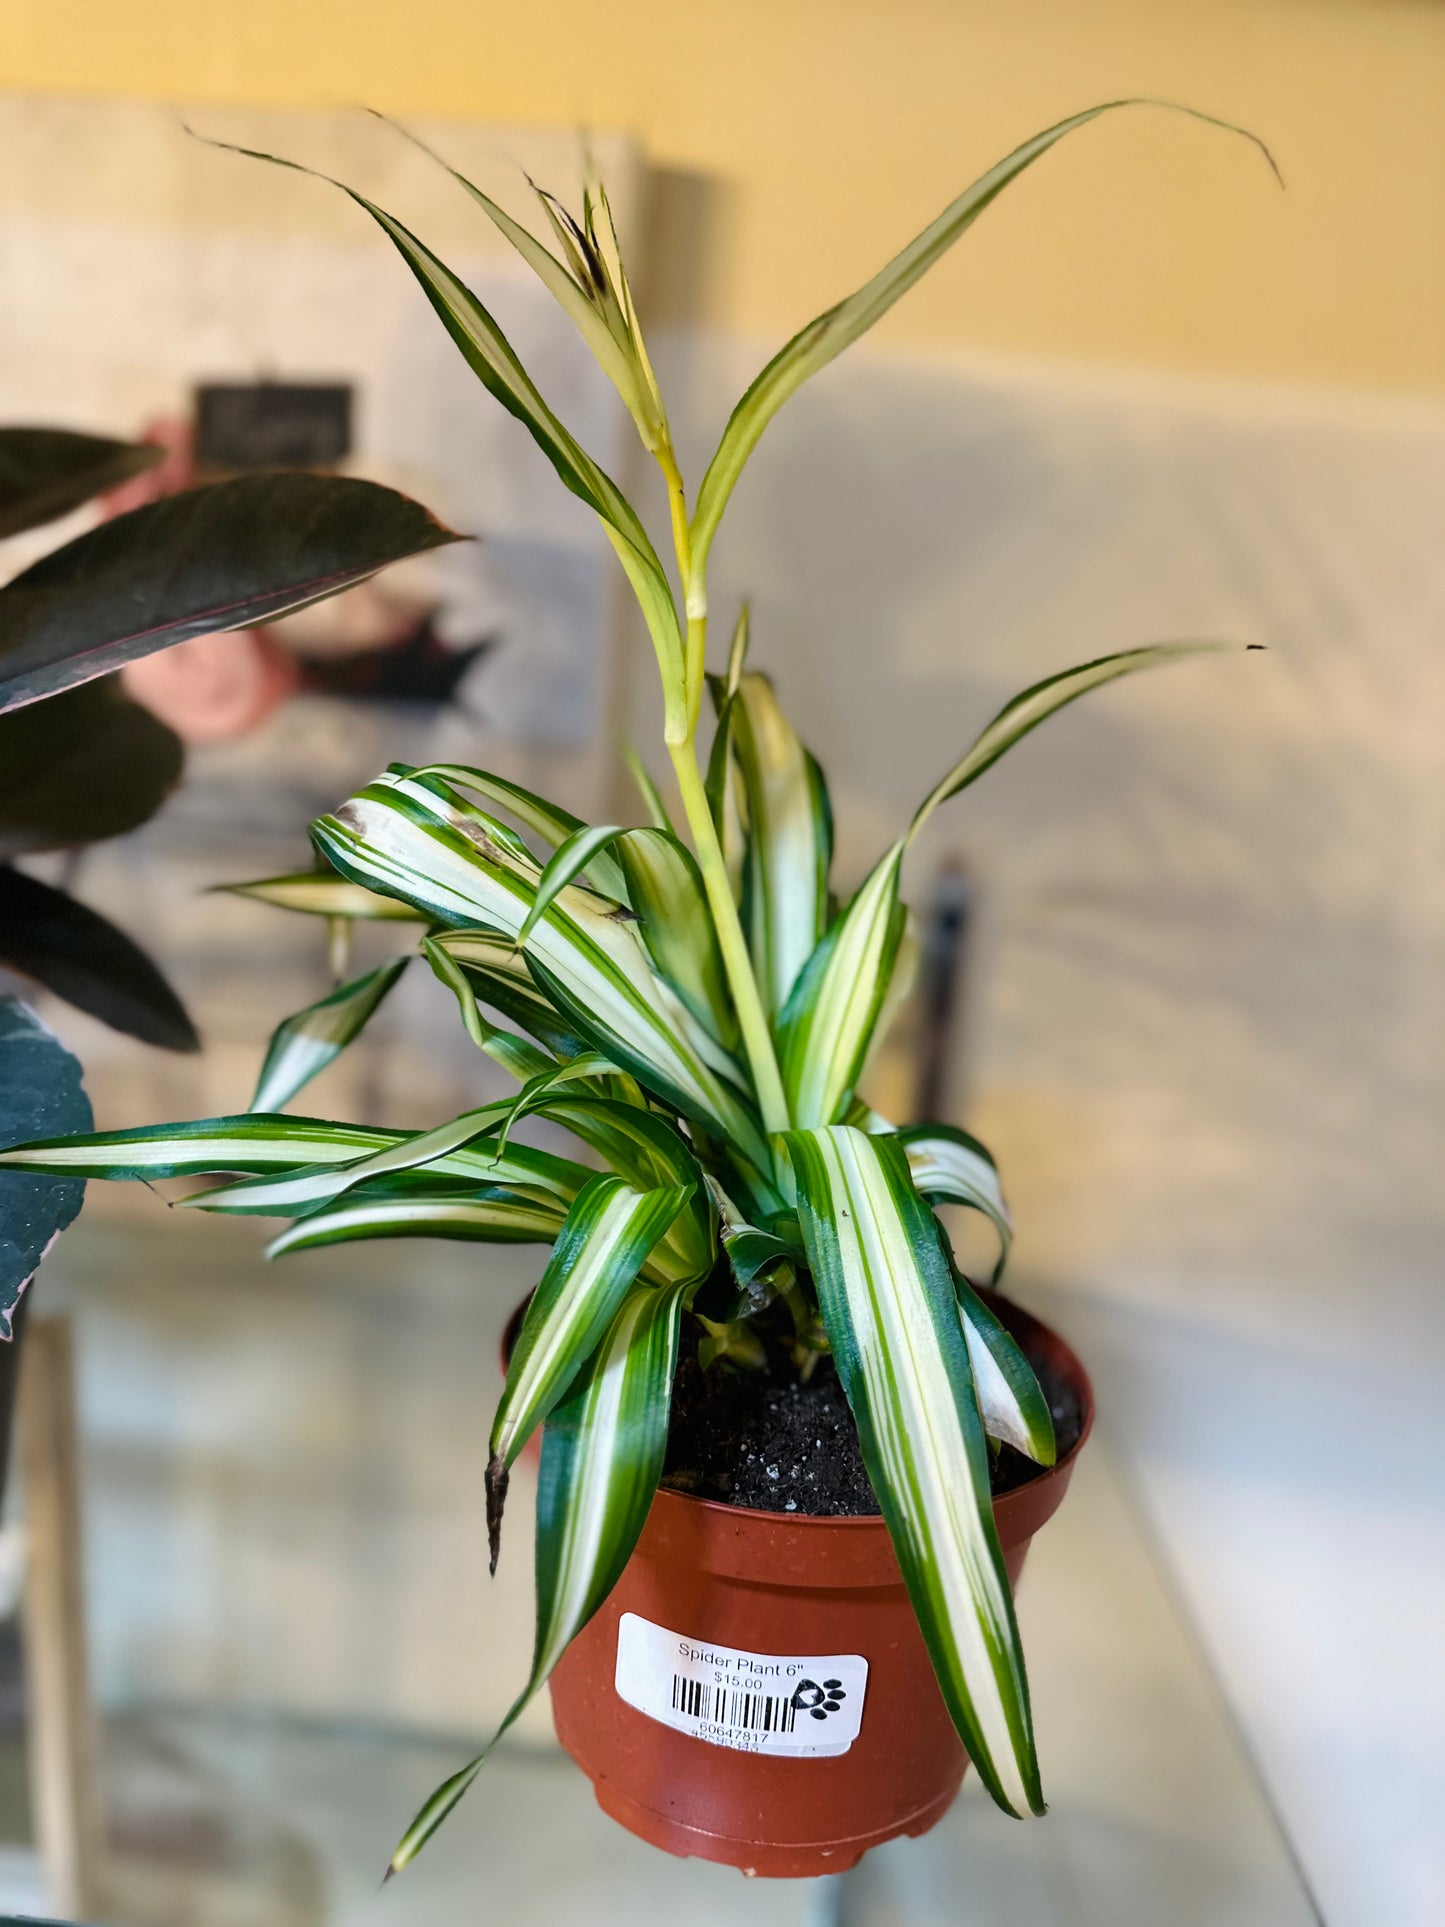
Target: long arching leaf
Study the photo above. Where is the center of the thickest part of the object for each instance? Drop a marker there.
(497, 972)
(322, 893)
(789, 840)
(305, 1044)
(201, 1147)
(826, 337)
(828, 1025)
(948, 1166)
(888, 1303)
(492, 1214)
(665, 889)
(522, 1058)
(463, 1147)
(1043, 699)
(609, 1235)
(493, 360)
(1011, 1401)
(395, 836)
(602, 1457)
(547, 820)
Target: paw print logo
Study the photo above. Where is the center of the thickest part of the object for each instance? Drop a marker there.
(820, 1701)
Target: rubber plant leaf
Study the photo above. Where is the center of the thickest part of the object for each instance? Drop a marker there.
(302, 1046)
(602, 1454)
(47, 472)
(82, 767)
(40, 1090)
(79, 956)
(888, 1304)
(222, 557)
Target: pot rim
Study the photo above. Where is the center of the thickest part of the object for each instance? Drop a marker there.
(871, 1521)
(1012, 1314)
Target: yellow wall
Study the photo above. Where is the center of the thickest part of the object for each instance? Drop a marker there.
(838, 126)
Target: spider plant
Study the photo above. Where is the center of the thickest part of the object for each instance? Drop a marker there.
(696, 1006)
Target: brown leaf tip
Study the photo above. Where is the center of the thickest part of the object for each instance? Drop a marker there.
(498, 1478)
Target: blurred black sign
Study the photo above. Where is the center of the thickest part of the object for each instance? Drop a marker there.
(272, 424)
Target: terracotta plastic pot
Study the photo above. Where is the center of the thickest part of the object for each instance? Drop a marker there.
(761, 1618)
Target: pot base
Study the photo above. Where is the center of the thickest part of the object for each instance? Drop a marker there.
(773, 1860)
(730, 1597)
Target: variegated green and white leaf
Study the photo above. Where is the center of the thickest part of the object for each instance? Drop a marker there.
(665, 889)
(602, 1454)
(491, 1214)
(463, 1147)
(651, 795)
(826, 337)
(522, 1058)
(322, 893)
(790, 839)
(648, 1153)
(493, 360)
(828, 1025)
(549, 821)
(566, 863)
(199, 1147)
(609, 1235)
(1011, 1401)
(305, 1044)
(1041, 700)
(393, 837)
(496, 970)
(583, 288)
(887, 1299)
(950, 1167)
(726, 800)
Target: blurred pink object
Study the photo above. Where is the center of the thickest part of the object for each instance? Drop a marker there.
(168, 477)
(214, 687)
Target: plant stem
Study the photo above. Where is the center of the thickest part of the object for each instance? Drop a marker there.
(752, 1018)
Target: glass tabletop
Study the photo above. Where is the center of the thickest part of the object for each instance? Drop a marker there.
(293, 1640)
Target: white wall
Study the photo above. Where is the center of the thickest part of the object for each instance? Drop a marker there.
(1204, 1035)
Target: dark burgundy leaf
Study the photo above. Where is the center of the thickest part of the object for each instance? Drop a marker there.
(238, 552)
(47, 472)
(80, 767)
(82, 958)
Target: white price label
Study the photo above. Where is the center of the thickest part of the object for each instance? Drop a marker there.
(809, 1706)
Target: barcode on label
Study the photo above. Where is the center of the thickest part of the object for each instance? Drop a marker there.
(752, 1712)
(802, 1705)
